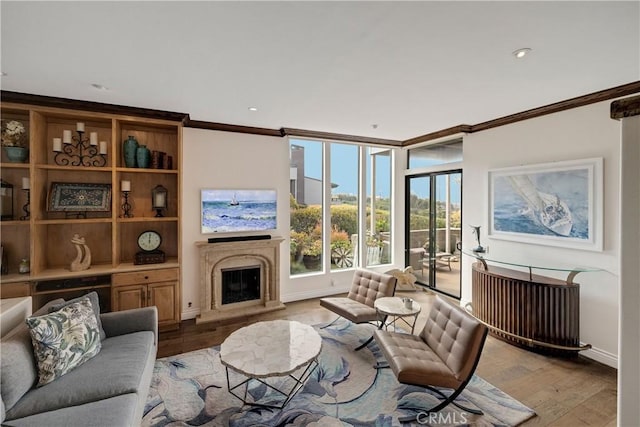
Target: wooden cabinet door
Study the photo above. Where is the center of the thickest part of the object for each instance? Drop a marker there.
(128, 297)
(164, 296)
(15, 290)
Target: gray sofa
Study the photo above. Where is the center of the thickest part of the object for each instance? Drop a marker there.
(108, 390)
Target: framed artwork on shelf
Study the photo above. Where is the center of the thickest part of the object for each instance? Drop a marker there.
(79, 197)
(554, 204)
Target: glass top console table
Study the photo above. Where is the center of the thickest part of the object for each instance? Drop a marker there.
(529, 310)
(571, 271)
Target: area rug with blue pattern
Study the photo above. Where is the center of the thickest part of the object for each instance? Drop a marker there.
(345, 389)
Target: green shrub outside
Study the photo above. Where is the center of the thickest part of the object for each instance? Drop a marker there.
(306, 231)
(305, 219)
(345, 218)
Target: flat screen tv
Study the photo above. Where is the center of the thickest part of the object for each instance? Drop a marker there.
(231, 211)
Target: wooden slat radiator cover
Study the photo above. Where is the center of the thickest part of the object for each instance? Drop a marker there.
(532, 313)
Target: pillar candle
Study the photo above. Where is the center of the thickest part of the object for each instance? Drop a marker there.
(103, 147)
(125, 185)
(160, 201)
(57, 144)
(80, 127)
(26, 185)
(93, 138)
(66, 136)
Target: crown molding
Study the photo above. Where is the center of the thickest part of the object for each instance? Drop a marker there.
(339, 137)
(620, 108)
(438, 134)
(224, 127)
(627, 107)
(580, 101)
(99, 107)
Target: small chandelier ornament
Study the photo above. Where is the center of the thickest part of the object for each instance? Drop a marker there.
(77, 150)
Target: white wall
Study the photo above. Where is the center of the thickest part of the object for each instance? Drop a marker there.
(214, 159)
(579, 133)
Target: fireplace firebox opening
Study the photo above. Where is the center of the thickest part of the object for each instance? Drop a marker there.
(240, 284)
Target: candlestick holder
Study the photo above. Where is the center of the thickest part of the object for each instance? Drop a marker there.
(80, 152)
(25, 208)
(126, 206)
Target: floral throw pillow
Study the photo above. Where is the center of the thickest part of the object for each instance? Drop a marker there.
(64, 339)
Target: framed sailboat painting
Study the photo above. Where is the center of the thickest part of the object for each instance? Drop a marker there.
(555, 204)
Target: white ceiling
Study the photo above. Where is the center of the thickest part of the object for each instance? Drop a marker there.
(410, 67)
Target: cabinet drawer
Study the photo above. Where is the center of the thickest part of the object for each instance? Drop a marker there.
(144, 277)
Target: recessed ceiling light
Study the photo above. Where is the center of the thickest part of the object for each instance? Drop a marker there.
(98, 86)
(2, 73)
(521, 53)
(253, 108)
(375, 126)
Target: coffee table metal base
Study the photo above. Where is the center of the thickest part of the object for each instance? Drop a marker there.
(298, 382)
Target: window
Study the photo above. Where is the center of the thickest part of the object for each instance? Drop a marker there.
(378, 225)
(305, 178)
(344, 204)
(358, 189)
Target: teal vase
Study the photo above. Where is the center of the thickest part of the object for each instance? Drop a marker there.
(129, 150)
(143, 156)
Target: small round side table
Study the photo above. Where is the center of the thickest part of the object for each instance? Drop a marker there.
(394, 308)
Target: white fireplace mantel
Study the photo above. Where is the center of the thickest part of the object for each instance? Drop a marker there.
(214, 257)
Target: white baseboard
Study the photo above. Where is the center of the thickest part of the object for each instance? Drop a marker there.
(601, 356)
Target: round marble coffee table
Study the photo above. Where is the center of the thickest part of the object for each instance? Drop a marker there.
(278, 348)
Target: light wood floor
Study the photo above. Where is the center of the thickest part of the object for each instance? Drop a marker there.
(563, 392)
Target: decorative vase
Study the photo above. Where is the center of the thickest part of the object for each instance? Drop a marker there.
(17, 154)
(143, 156)
(129, 149)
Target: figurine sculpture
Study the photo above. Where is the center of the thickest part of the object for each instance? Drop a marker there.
(476, 232)
(405, 279)
(83, 259)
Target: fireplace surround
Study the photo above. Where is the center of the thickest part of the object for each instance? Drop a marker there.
(260, 259)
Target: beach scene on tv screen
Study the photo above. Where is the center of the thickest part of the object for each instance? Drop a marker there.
(238, 210)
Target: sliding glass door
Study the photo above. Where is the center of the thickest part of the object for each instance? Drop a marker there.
(434, 214)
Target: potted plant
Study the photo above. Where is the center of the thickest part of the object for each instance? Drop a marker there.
(14, 141)
(296, 244)
(312, 254)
